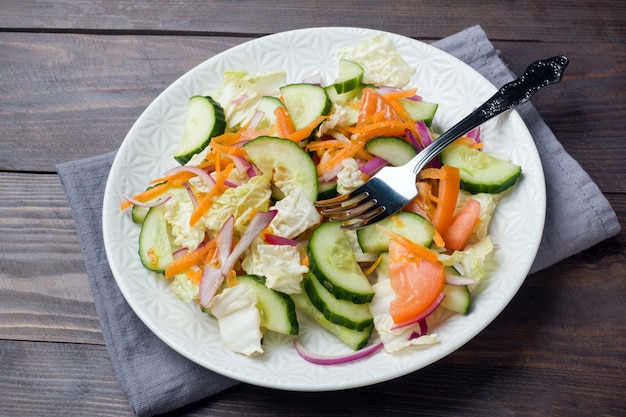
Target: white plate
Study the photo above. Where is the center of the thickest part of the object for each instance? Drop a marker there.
(147, 152)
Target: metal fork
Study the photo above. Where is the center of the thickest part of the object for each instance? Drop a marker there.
(392, 188)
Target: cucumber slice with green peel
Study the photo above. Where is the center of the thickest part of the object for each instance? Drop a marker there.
(355, 339)
(420, 110)
(278, 312)
(305, 103)
(350, 76)
(480, 171)
(204, 120)
(393, 150)
(407, 224)
(457, 298)
(326, 190)
(267, 104)
(155, 247)
(333, 262)
(342, 312)
(290, 166)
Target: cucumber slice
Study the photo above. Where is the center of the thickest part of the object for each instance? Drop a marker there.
(342, 312)
(480, 172)
(290, 166)
(333, 262)
(350, 76)
(155, 248)
(457, 298)
(420, 110)
(278, 312)
(355, 339)
(326, 190)
(267, 104)
(305, 103)
(204, 120)
(393, 150)
(410, 225)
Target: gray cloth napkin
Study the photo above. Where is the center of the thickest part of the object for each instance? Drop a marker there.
(156, 379)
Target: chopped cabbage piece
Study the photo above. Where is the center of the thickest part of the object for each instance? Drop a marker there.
(380, 60)
(350, 177)
(178, 211)
(472, 259)
(235, 201)
(279, 264)
(185, 289)
(238, 319)
(296, 214)
(241, 92)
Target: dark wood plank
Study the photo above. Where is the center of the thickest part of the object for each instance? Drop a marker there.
(87, 101)
(59, 379)
(45, 292)
(551, 21)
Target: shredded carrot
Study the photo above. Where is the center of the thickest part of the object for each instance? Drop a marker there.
(147, 195)
(305, 132)
(412, 247)
(373, 266)
(383, 128)
(430, 174)
(305, 261)
(175, 179)
(325, 144)
(194, 275)
(438, 239)
(231, 279)
(230, 150)
(347, 152)
(284, 124)
(188, 260)
(449, 186)
(207, 200)
(395, 95)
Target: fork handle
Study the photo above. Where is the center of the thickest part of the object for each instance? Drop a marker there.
(539, 74)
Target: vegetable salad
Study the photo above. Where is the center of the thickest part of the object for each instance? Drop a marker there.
(233, 227)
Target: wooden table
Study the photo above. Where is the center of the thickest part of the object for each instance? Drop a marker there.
(74, 76)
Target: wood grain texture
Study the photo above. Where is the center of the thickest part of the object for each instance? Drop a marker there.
(551, 21)
(86, 101)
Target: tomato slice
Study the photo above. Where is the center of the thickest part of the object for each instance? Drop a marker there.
(417, 282)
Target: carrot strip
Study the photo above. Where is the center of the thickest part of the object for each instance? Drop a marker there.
(207, 201)
(149, 194)
(395, 95)
(339, 156)
(412, 247)
(194, 276)
(305, 132)
(188, 260)
(284, 124)
(325, 144)
(231, 150)
(449, 187)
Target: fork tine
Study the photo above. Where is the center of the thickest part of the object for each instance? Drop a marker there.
(340, 205)
(377, 214)
(346, 213)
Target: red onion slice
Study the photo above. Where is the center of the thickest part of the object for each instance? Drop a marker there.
(148, 204)
(258, 223)
(192, 196)
(202, 174)
(429, 310)
(212, 276)
(279, 240)
(335, 360)
(373, 165)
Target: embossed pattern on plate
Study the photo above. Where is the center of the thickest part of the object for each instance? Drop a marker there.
(147, 152)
